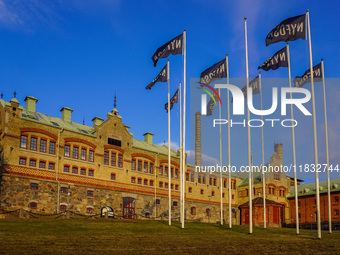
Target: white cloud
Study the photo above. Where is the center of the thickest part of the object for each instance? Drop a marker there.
(173, 145)
(27, 15)
(7, 16)
(206, 160)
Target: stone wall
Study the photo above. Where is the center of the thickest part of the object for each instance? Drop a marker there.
(16, 194)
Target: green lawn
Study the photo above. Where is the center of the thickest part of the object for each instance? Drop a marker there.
(100, 236)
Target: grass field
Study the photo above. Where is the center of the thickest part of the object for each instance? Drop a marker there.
(76, 236)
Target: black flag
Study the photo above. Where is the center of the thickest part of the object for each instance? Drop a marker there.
(173, 100)
(215, 72)
(254, 84)
(299, 81)
(174, 47)
(290, 29)
(278, 60)
(161, 77)
(210, 105)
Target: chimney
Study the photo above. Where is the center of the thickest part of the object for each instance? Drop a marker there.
(278, 148)
(97, 121)
(148, 137)
(30, 103)
(198, 143)
(66, 114)
(279, 152)
(277, 157)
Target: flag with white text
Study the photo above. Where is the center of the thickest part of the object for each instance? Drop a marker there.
(290, 29)
(299, 81)
(254, 84)
(173, 100)
(161, 77)
(280, 59)
(174, 47)
(215, 72)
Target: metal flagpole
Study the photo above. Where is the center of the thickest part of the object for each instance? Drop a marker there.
(314, 131)
(221, 187)
(180, 152)
(249, 142)
(252, 176)
(169, 156)
(155, 189)
(327, 155)
(229, 163)
(263, 174)
(184, 108)
(294, 151)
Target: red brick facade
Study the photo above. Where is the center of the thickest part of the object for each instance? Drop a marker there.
(275, 212)
(307, 208)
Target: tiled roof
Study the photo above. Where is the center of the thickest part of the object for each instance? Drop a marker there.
(309, 188)
(245, 178)
(58, 123)
(86, 130)
(259, 201)
(162, 149)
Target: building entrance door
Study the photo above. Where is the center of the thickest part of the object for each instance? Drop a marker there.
(246, 216)
(283, 215)
(275, 215)
(128, 208)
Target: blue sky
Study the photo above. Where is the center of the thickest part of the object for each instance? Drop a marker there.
(78, 53)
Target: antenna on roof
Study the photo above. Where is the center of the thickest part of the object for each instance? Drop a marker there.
(2, 94)
(115, 101)
(83, 120)
(15, 94)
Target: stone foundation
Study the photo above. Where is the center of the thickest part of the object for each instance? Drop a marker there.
(16, 193)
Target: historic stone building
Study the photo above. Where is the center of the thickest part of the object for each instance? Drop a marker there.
(51, 164)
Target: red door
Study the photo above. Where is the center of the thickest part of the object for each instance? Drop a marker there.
(283, 215)
(128, 208)
(246, 216)
(275, 215)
